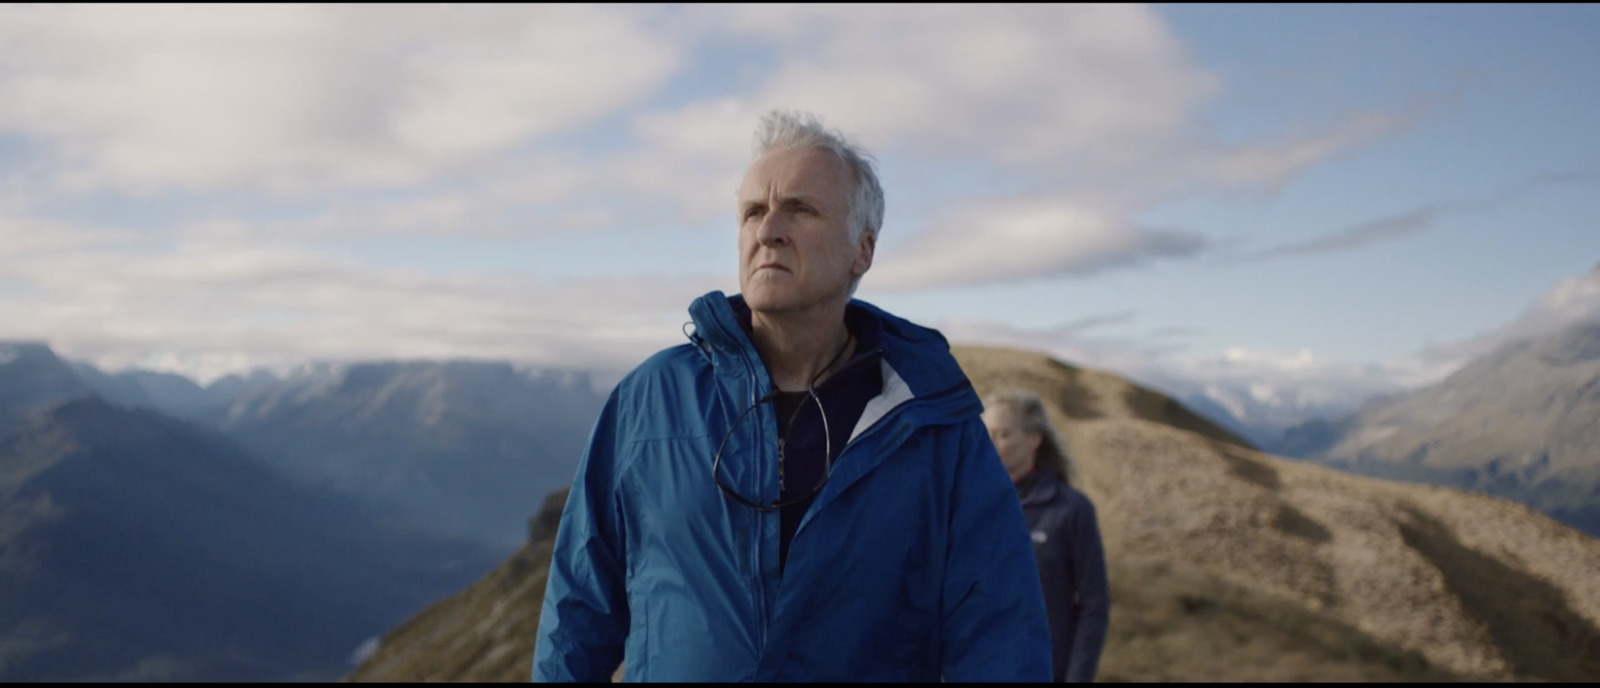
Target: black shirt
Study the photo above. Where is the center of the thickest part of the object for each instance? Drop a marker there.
(844, 396)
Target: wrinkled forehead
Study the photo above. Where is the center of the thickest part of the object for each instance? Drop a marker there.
(816, 173)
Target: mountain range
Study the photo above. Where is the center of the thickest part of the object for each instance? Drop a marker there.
(464, 448)
(468, 447)
(1521, 422)
(258, 528)
(137, 546)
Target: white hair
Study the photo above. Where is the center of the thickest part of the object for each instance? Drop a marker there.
(785, 129)
(1052, 453)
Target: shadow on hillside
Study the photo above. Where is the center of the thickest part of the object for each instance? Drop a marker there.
(1074, 399)
(1529, 619)
(1246, 467)
(1160, 408)
(1177, 623)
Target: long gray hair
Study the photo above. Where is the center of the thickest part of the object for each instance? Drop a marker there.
(1029, 408)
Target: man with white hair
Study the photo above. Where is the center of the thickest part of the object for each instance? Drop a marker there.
(805, 491)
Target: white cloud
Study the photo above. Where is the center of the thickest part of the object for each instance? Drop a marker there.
(146, 98)
(1572, 300)
(464, 116)
(1101, 96)
(1575, 299)
(1273, 162)
(1022, 239)
(1061, 102)
(1023, 83)
(23, 235)
(211, 308)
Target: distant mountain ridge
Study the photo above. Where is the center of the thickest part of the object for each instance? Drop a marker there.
(31, 377)
(279, 523)
(136, 546)
(464, 448)
(1273, 417)
(1521, 422)
(469, 446)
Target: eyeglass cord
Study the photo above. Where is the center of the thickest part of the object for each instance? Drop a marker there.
(811, 389)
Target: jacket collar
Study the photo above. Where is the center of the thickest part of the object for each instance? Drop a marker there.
(1045, 488)
(919, 356)
(922, 382)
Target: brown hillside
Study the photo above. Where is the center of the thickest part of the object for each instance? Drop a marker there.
(1226, 564)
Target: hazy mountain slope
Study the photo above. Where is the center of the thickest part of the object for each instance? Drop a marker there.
(1522, 422)
(1226, 564)
(32, 377)
(178, 396)
(483, 633)
(137, 546)
(465, 448)
(1263, 413)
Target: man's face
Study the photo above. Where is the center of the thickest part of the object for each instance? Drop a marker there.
(794, 239)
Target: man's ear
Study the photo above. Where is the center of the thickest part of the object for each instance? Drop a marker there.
(869, 242)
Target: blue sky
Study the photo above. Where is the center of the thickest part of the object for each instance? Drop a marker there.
(1300, 205)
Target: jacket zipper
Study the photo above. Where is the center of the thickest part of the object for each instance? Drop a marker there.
(761, 528)
(759, 518)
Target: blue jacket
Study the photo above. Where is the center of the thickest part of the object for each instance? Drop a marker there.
(913, 564)
(1072, 569)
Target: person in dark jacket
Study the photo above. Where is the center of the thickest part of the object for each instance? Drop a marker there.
(1066, 536)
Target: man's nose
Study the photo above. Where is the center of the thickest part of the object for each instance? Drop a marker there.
(772, 231)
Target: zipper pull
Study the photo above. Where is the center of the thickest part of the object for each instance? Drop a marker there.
(780, 467)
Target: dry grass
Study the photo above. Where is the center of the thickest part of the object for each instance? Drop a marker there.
(1174, 623)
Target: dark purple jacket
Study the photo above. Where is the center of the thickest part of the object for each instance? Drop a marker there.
(1072, 568)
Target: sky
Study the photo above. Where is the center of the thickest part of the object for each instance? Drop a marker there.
(1297, 204)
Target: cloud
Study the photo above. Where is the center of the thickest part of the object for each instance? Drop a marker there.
(1419, 219)
(1023, 84)
(1054, 103)
(1095, 96)
(1391, 227)
(1176, 332)
(211, 308)
(517, 123)
(298, 97)
(1571, 301)
(1272, 163)
(1024, 239)
(23, 236)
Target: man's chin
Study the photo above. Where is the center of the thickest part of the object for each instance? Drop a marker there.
(765, 301)
(761, 302)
